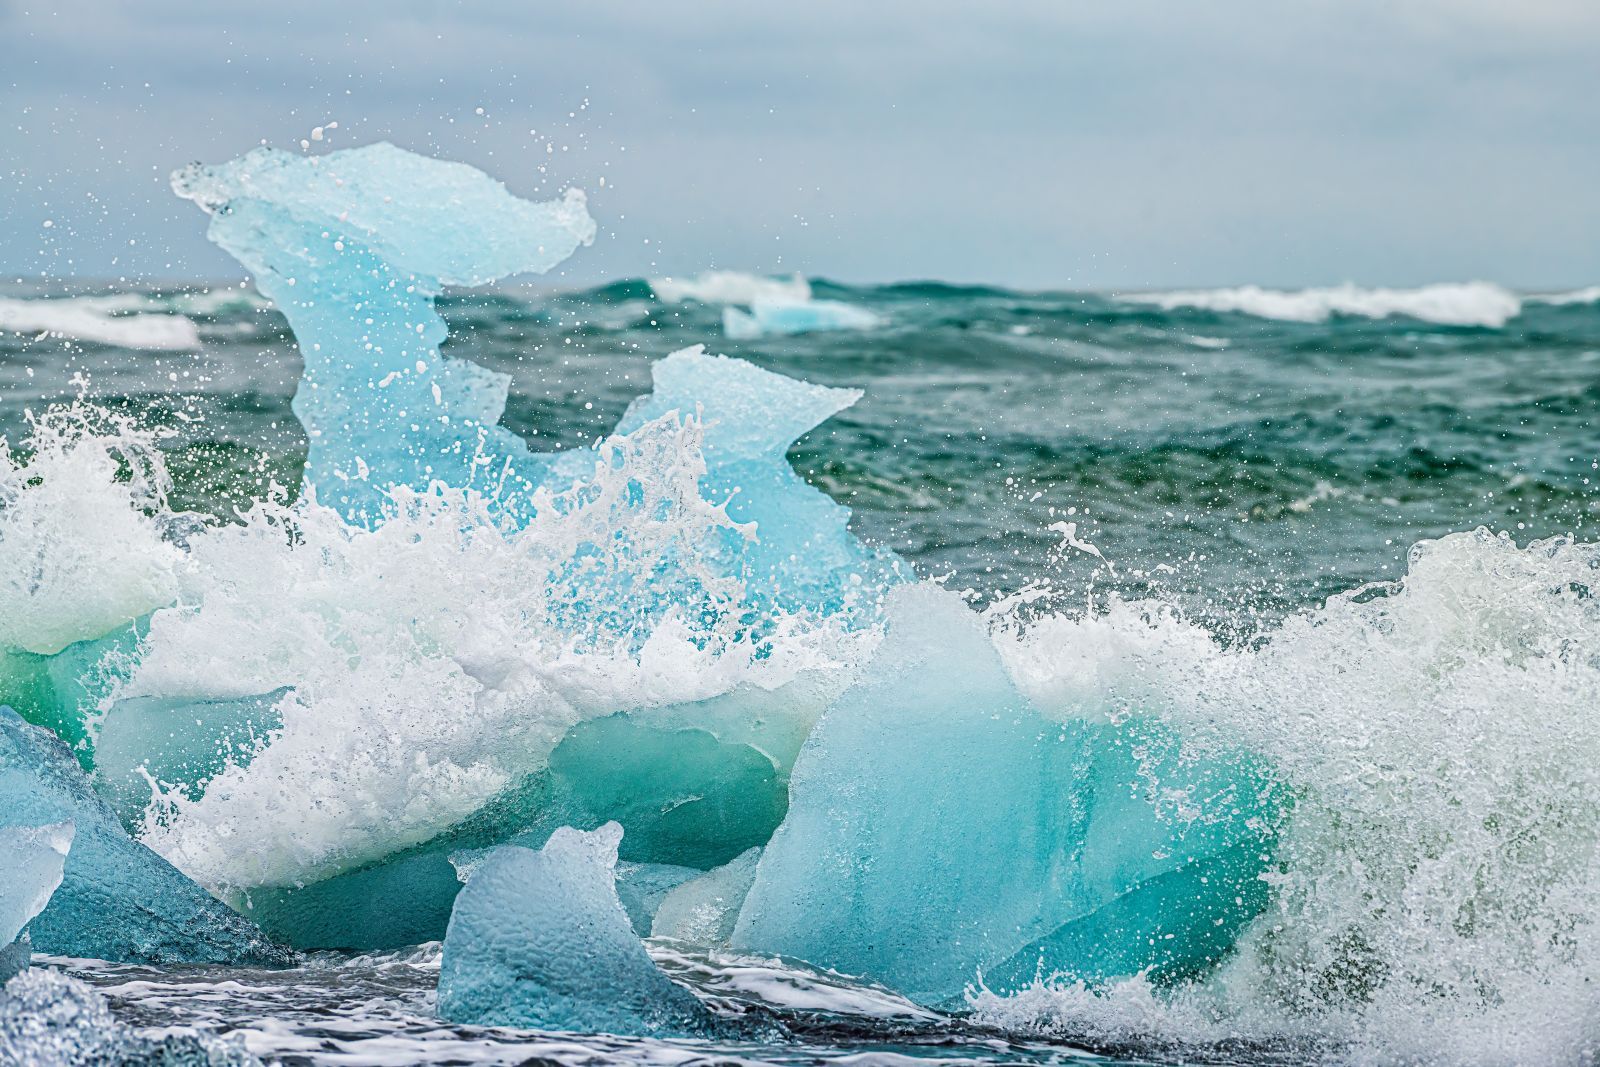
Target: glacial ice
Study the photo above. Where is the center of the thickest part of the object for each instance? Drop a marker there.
(703, 911)
(804, 556)
(117, 899)
(994, 840)
(540, 940)
(32, 858)
(781, 317)
(353, 247)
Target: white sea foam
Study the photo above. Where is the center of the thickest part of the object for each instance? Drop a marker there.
(107, 320)
(732, 287)
(1449, 304)
(1433, 892)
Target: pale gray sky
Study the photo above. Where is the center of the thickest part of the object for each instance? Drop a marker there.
(1115, 144)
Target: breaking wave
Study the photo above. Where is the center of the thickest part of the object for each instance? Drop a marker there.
(1448, 304)
(105, 320)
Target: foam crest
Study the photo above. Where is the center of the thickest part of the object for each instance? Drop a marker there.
(100, 320)
(434, 660)
(731, 287)
(1448, 304)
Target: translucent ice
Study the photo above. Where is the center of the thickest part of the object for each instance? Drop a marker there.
(994, 839)
(767, 317)
(117, 899)
(353, 247)
(31, 858)
(540, 940)
(803, 555)
(703, 911)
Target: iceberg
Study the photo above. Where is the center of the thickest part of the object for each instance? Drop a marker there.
(353, 247)
(33, 857)
(730, 287)
(540, 940)
(783, 317)
(117, 899)
(994, 841)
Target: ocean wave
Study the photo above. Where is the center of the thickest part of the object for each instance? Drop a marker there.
(732, 287)
(1447, 304)
(1590, 295)
(106, 320)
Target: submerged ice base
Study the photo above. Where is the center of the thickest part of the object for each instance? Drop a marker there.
(540, 940)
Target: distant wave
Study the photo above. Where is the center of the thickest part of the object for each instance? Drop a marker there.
(100, 320)
(1449, 304)
(1591, 295)
(732, 287)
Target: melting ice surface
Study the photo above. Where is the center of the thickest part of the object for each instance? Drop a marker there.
(540, 939)
(1106, 824)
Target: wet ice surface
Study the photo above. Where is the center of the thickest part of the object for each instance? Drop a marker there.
(379, 1010)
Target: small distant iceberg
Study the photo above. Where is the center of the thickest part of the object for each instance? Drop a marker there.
(99, 320)
(768, 318)
(1447, 304)
(757, 306)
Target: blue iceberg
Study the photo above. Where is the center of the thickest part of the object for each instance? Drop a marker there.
(353, 247)
(994, 841)
(540, 940)
(783, 317)
(32, 858)
(117, 899)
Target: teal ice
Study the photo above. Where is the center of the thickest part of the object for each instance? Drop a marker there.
(117, 899)
(995, 841)
(539, 939)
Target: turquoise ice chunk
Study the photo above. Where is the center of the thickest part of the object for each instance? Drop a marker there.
(117, 900)
(353, 247)
(540, 940)
(641, 887)
(803, 556)
(939, 826)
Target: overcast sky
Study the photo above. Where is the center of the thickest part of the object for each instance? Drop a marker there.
(1049, 143)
